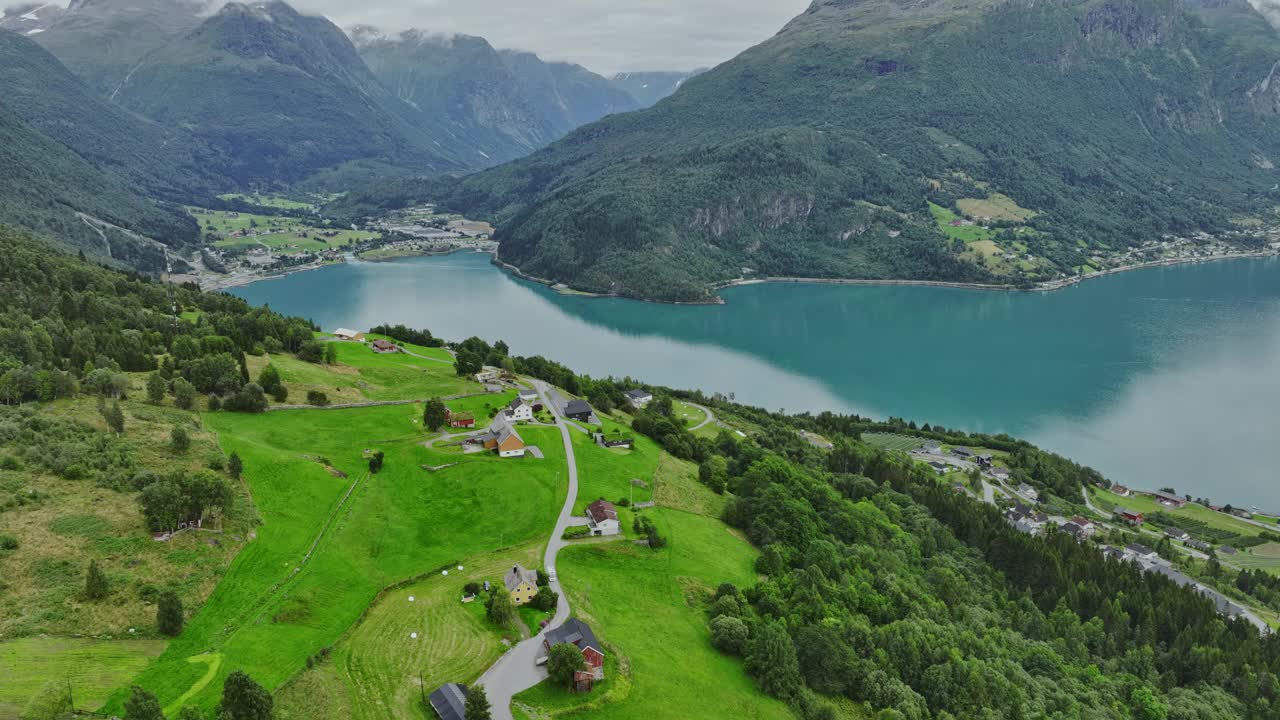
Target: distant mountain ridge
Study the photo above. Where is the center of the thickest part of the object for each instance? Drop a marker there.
(649, 87)
(832, 149)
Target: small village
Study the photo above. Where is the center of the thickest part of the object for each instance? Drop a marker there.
(1022, 508)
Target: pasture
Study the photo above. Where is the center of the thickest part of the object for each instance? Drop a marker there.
(379, 671)
(277, 606)
(607, 472)
(649, 607)
(362, 374)
(281, 234)
(965, 233)
(1144, 504)
(93, 668)
(996, 207)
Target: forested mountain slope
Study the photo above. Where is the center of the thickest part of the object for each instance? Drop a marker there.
(476, 101)
(1104, 122)
(103, 40)
(649, 87)
(165, 162)
(282, 95)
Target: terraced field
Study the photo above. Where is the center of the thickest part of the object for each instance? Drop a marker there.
(93, 668)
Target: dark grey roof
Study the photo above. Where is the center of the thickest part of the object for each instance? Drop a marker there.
(1228, 550)
(1139, 549)
(449, 701)
(961, 450)
(1221, 603)
(574, 632)
(518, 574)
(637, 394)
(1072, 528)
(515, 403)
(1172, 574)
(1175, 532)
(577, 407)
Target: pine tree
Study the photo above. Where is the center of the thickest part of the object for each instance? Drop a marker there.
(169, 618)
(477, 705)
(95, 582)
(234, 466)
(142, 705)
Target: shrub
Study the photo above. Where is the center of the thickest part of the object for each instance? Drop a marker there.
(95, 582)
(317, 398)
(8, 543)
(576, 531)
(179, 439)
(169, 618)
(729, 634)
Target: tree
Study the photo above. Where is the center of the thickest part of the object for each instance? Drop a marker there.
(95, 582)
(562, 662)
(729, 634)
(375, 462)
(435, 414)
(155, 388)
(330, 354)
(714, 473)
(244, 699)
(142, 705)
(184, 394)
(169, 617)
(317, 398)
(113, 415)
(249, 398)
(500, 608)
(234, 466)
(191, 713)
(467, 363)
(52, 702)
(771, 659)
(179, 439)
(269, 379)
(477, 705)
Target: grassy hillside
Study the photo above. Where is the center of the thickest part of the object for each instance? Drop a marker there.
(817, 152)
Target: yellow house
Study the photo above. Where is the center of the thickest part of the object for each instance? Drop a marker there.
(521, 583)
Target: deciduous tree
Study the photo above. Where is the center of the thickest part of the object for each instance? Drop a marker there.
(435, 414)
(562, 662)
(142, 705)
(244, 699)
(477, 704)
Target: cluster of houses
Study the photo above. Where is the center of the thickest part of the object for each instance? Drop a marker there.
(501, 436)
(379, 346)
(1033, 522)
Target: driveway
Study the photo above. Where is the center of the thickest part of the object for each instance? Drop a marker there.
(516, 671)
(711, 417)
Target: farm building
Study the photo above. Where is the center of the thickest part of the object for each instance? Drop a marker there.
(578, 634)
(998, 473)
(1120, 490)
(461, 419)
(522, 583)
(347, 334)
(1028, 492)
(385, 346)
(527, 395)
(602, 518)
(1125, 515)
(614, 440)
(1176, 534)
(1168, 499)
(449, 701)
(961, 451)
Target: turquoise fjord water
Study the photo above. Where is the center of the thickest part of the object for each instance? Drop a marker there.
(1160, 377)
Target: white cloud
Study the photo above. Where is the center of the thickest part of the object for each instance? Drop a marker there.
(605, 37)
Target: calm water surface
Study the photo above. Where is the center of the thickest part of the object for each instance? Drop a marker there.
(1159, 377)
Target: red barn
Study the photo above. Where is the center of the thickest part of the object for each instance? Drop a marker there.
(1130, 516)
(461, 420)
(577, 633)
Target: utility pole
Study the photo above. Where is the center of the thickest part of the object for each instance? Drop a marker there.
(422, 689)
(70, 696)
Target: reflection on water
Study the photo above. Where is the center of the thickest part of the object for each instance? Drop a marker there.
(1158, 377)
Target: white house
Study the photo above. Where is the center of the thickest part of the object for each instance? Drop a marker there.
(519, 411)
(347, 334)
(639, 398)
(488, 374)
(529, 396)
(602, 518)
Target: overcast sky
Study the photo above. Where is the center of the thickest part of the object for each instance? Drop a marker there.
(606, 37)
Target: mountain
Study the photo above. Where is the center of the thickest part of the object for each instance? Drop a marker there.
(103, 40)
(833, 149)
(30, 18)
(164, 162)
(647, 88)
(48, 189)
(461, 83)
(567, 95)
(493, 106)
(284, 97)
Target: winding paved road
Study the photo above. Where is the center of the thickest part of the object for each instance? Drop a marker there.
(711, 417)
(516, 670)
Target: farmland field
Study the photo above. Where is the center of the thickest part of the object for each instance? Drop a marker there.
(1144, 504)
(967, 233)
(996, 206)
(365, 375)
(280, 233)
(272, 610)
(379, 670)
(94, 668)
(607, 472)
(626, 591)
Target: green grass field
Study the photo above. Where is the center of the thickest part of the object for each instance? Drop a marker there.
(365, 375)
(966, 233)
(94, 668)
(608, 472)
(1144, 504)
(274, 201)
(378, 670)
(650, 607)
(281, 234)
(272, 611)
